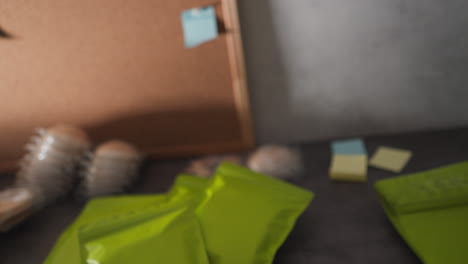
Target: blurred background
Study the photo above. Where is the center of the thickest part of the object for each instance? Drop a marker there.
(332, 68)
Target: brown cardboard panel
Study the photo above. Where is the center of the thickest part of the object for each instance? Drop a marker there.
(120, 69)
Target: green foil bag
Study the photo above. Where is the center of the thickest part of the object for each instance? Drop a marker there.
(189, 187)
(430, 211)
(246, 216)
(159, 234)
(67, 248)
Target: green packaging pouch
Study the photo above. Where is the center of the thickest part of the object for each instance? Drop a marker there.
(67, 248)
(430, 211)
(189, 187)
(246, 216)
(161, 234)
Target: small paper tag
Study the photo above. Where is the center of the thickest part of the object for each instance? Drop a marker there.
(199, 25)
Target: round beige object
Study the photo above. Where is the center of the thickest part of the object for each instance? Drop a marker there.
(69, 132)
(118, 149)
(276, 161)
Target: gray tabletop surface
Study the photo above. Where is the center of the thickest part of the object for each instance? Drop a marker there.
(344, 223)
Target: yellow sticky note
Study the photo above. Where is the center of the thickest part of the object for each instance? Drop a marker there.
(391, 159)
(349, 168)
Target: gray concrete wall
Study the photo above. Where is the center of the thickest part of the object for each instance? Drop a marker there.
(332, 68)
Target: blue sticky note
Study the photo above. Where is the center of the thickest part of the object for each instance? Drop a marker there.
(199, 25)
(349, 147)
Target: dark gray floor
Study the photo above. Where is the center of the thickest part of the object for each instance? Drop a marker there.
(344, 224)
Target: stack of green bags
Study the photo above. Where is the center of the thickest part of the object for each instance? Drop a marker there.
(430, 211)
(237, 216)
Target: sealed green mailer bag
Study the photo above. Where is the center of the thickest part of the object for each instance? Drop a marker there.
(163, 234)
(190, 187)
(66, 249)
(430, 211)
(246, 216)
